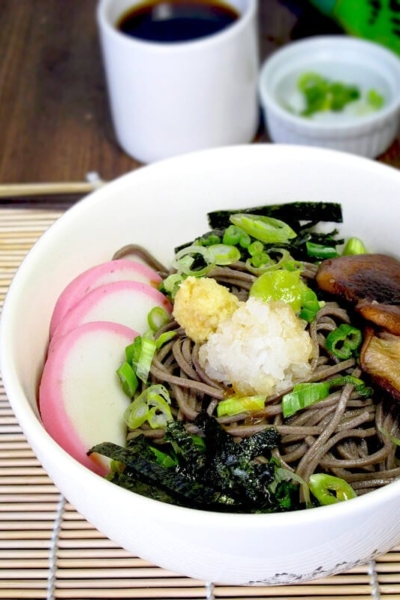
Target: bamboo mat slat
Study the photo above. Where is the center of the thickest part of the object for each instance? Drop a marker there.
(48, 550)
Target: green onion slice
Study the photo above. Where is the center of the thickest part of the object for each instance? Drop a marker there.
(147, 351)
(354, 246)
(302, 396)
(164, 459)
(209, 240)
(157, 318)
(282, 474)
(185, 259)
(262, 262)
(151, 405)
(128, 379)
(329, 489)
(223, 254)
(307, 394)
(132, 352)
(321, 94)
(164, 338)
(232, 235)
(136, 414)
(310, 305)
(294, 265)
(171, 283)
(236, 405)
(319, 251)
(255, 248)
(344, 341)
(375, 99)
(264, 229)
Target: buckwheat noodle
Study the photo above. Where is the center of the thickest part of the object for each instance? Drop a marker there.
(341, 435)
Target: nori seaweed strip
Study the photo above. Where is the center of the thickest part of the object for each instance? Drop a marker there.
(291, 213)
(138, 487)
(222, 476)
(185, 448)
(176, 485)
(301, 216)
(229, 465)
(218, 440)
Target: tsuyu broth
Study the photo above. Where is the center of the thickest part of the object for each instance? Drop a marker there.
(175, 21)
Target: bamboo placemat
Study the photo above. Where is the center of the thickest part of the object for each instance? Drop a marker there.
(48, 550)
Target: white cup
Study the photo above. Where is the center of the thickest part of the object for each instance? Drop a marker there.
(171, 98)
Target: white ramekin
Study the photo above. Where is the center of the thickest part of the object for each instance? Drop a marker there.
(343, 58)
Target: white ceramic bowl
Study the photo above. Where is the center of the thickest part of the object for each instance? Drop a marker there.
(161, 206)
(338, 58)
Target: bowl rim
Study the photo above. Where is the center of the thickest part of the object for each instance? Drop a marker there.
(34, 430)
(328, 42)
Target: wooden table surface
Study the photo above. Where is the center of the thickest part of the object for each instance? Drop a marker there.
(54, 117)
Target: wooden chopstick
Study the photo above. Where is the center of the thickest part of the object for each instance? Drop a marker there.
(28, 190)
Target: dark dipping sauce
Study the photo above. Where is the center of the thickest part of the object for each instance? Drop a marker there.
(176, 21)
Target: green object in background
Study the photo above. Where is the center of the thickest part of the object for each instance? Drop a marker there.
(378, 21)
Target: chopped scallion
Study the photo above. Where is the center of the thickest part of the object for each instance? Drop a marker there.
(187, 257)
(320, 251)
(232, 235)
(152, 405)
(282, 474)
(235, 236)
(132, 352)
(164, 337)
(329, 489)
(354, 246)
(128, 379)
(157, 318)
(136, 414)
(255, 248)
(209, 240)
(164, 459)
(307, 394)
(302, 396)
(264, 229)
(344, 341)
(375, 99)
(256, 263)
(172, 282)
(261, 263)
(236, 405)
(309, 305)
(148, 348)
(223, 254)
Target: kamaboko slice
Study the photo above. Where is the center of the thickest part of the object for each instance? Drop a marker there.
(124, 302)
(113, 270)
(81, 401)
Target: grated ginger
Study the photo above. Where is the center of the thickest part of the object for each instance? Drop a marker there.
(201, 304)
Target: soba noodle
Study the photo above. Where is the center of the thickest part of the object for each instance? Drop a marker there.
(342, 435)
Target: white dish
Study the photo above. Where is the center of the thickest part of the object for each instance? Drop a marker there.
(161, 206)
(337, 58)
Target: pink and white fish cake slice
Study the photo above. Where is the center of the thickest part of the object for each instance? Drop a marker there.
(113, 270)
(124, 302)
(81, 401)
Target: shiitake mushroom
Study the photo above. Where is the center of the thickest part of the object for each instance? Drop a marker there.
(370, 283)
